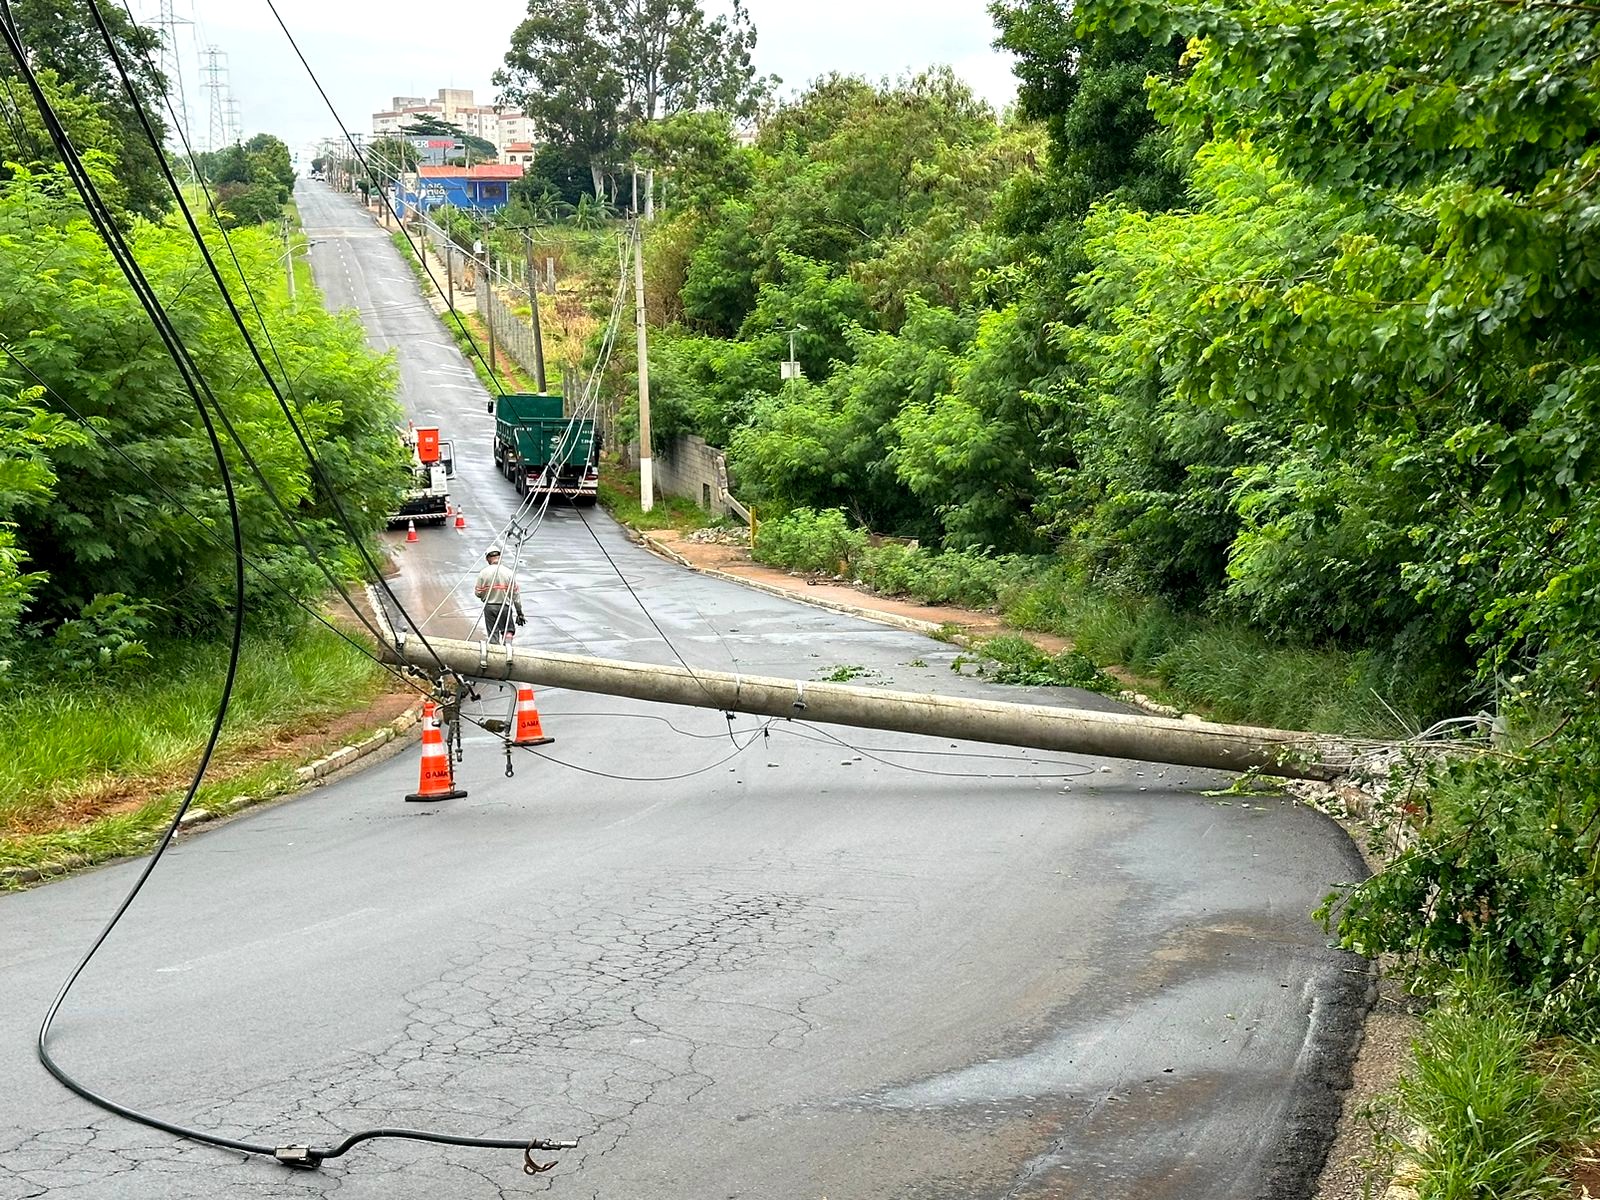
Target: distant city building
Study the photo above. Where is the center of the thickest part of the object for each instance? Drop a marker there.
(455, 105)
(485, 187)
(519, 152)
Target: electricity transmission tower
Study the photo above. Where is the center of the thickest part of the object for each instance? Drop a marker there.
(171, 66)
(214, 79)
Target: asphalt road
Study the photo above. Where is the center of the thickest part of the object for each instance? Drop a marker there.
(736, 961)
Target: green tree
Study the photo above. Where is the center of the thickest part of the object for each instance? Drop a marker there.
(108, 529)
(585, 70)
(62, 39)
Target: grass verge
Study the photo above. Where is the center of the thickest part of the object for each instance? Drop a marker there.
(1223, 669)
(104, 764)
(1488, 1108)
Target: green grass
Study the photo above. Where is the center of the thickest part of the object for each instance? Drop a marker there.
(1229, 670)
(134, 738)
(619, 494)
(1498, 1111)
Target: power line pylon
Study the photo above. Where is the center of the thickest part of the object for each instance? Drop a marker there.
(171, 66)
(214, 79)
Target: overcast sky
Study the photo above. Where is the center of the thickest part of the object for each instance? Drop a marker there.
(367, 51)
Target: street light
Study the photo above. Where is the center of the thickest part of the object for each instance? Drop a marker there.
(287, 257)
(791, 368)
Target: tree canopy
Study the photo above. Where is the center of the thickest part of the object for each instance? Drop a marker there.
(586, 70)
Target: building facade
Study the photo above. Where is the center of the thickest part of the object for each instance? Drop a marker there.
(483, 188)
(499, 126)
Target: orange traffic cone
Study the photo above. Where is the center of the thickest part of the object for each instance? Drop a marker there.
(525, 727)
(461, 518)
(438, 780)
(411, 531)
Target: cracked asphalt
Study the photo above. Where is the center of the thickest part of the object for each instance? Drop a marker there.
(785, 966)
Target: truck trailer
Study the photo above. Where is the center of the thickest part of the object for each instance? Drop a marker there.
(545, 452)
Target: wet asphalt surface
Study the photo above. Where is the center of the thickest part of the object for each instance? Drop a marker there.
(735, 963)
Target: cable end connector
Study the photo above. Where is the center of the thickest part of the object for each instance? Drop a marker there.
(300, 1157)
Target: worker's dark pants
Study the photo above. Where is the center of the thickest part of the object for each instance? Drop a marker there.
(498, 622)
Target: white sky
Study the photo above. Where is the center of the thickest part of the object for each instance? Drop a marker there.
(367, 51)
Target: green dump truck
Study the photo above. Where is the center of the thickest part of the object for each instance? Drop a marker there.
(543, 451)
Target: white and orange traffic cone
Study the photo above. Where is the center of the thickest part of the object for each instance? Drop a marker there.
(525, 727)
(461, 518)
(437, 780)
(411, 531)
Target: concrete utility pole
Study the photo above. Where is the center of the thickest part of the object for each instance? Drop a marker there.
(538, 335)
(486, 292)
(1076, 731)
(647, 479)
(288, 258)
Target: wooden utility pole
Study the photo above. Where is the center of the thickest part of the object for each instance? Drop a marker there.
(1077, 731)
(533, 306)
(647, 479)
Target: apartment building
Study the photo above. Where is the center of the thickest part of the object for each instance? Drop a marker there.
(456, 105)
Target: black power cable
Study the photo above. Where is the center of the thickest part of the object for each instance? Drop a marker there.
(382, 195)
(317, 471)
(100, 214)
(262, 574)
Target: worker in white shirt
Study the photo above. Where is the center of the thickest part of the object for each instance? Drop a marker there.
(497, 588)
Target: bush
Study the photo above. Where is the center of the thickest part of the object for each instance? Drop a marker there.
(1506, 865)
(967, 578)
(806, 540)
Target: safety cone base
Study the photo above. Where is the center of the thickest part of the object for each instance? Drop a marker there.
(538, 741)
(419, 798)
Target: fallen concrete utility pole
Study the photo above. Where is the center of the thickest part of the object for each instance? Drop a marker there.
(1040, 727)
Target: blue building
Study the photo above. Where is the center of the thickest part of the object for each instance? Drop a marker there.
(485, 187)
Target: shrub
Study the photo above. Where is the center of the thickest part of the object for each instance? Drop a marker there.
(807, 540)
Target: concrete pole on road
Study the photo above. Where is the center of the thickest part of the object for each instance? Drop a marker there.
(1077, 731)
(647, 478)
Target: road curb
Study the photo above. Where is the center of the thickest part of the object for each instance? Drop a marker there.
(312, 775)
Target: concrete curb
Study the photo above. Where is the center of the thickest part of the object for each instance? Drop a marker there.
(314, 774)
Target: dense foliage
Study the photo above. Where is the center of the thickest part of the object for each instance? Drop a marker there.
(96, 554)
(588, 71)
(1276, 313)
(250, 182)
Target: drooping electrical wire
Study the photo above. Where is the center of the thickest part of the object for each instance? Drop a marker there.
(319, 474)
(382, 195)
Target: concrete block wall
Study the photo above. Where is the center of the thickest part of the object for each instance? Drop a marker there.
(687, 466)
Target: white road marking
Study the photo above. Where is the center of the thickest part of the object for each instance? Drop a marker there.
(330, 923)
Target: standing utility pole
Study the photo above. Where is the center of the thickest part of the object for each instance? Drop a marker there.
(538, 336)
(288, 258)
(486, 291)
(647, 481)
